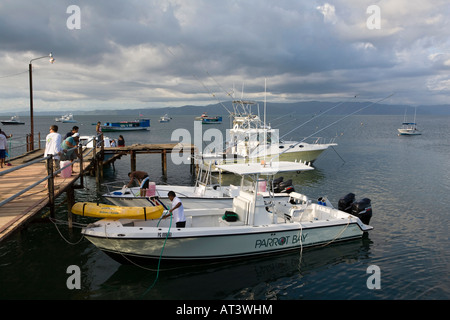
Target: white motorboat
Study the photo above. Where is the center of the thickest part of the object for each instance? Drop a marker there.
(257, 227)
(13, 121)
(251, 139)
(165, 118)
(409, 128)
(207, 191)
(67, 118)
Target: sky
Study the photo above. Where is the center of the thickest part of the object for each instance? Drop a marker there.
(115, 54)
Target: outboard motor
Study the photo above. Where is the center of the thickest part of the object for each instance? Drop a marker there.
(276, 182)
(284, 186)
(345, 203)
(363, 210)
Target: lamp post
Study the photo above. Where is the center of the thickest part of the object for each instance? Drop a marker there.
(30, 71)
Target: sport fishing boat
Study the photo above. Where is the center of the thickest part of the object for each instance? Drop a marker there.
(251, 139)
(140, 124)
(409, 128)
(251, 227)
(67, 118)
(207, 188)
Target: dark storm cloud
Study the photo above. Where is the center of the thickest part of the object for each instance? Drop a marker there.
(181, 51)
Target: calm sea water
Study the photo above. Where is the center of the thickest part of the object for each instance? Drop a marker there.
(407, 179)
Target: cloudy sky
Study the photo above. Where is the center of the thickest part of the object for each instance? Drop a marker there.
(114, 54)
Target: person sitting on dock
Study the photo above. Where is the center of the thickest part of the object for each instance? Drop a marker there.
(121, 141)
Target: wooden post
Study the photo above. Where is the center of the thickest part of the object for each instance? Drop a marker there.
(51, 186)
(164, 162)
(133, 160)
(70, 193)
(80, 153)
(102, 155)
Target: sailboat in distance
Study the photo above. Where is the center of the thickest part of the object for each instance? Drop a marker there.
(409, 128)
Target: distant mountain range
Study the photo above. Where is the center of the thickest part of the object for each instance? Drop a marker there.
(305, 108)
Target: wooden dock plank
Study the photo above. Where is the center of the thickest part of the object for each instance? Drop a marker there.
(20, 210)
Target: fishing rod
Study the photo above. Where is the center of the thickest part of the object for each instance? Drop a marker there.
(321, 114)
(331, 124)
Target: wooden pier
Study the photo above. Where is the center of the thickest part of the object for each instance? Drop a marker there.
(17, 212)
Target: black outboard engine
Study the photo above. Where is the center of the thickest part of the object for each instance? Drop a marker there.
(284, 187)
(275, 183)
(363, 210)
(345, 203)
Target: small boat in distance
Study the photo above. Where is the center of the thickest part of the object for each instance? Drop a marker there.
(140, 124)
(13, 121)
(205, 119)
(165, 118)
(67, 118)
(409, 128)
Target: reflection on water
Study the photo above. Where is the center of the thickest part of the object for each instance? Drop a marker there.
(407, 179)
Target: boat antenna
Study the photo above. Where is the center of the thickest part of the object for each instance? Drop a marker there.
(331, 124)
(265, 98)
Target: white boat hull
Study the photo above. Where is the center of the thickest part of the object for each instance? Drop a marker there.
(187, 194)
(408, 132)
(217, 243)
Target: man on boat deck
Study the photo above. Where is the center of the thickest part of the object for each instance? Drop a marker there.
(177, 210)
(140, 176)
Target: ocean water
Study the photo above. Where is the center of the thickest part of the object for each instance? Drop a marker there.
(407, 179)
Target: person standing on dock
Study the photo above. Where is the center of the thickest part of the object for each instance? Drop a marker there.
(53, 146)
(121, 141)
(3, 149)
(98, 128)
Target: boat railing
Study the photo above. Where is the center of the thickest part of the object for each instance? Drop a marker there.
(318, 140)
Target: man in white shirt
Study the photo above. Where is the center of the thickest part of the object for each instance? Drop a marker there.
(177, 210)
(53, 146)
(3, 149)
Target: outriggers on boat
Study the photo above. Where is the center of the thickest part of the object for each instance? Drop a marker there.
(409, 128)
(252, 226)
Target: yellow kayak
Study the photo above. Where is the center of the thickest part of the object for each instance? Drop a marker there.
(91, 209)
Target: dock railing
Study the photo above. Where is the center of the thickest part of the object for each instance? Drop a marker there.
(51, 174)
